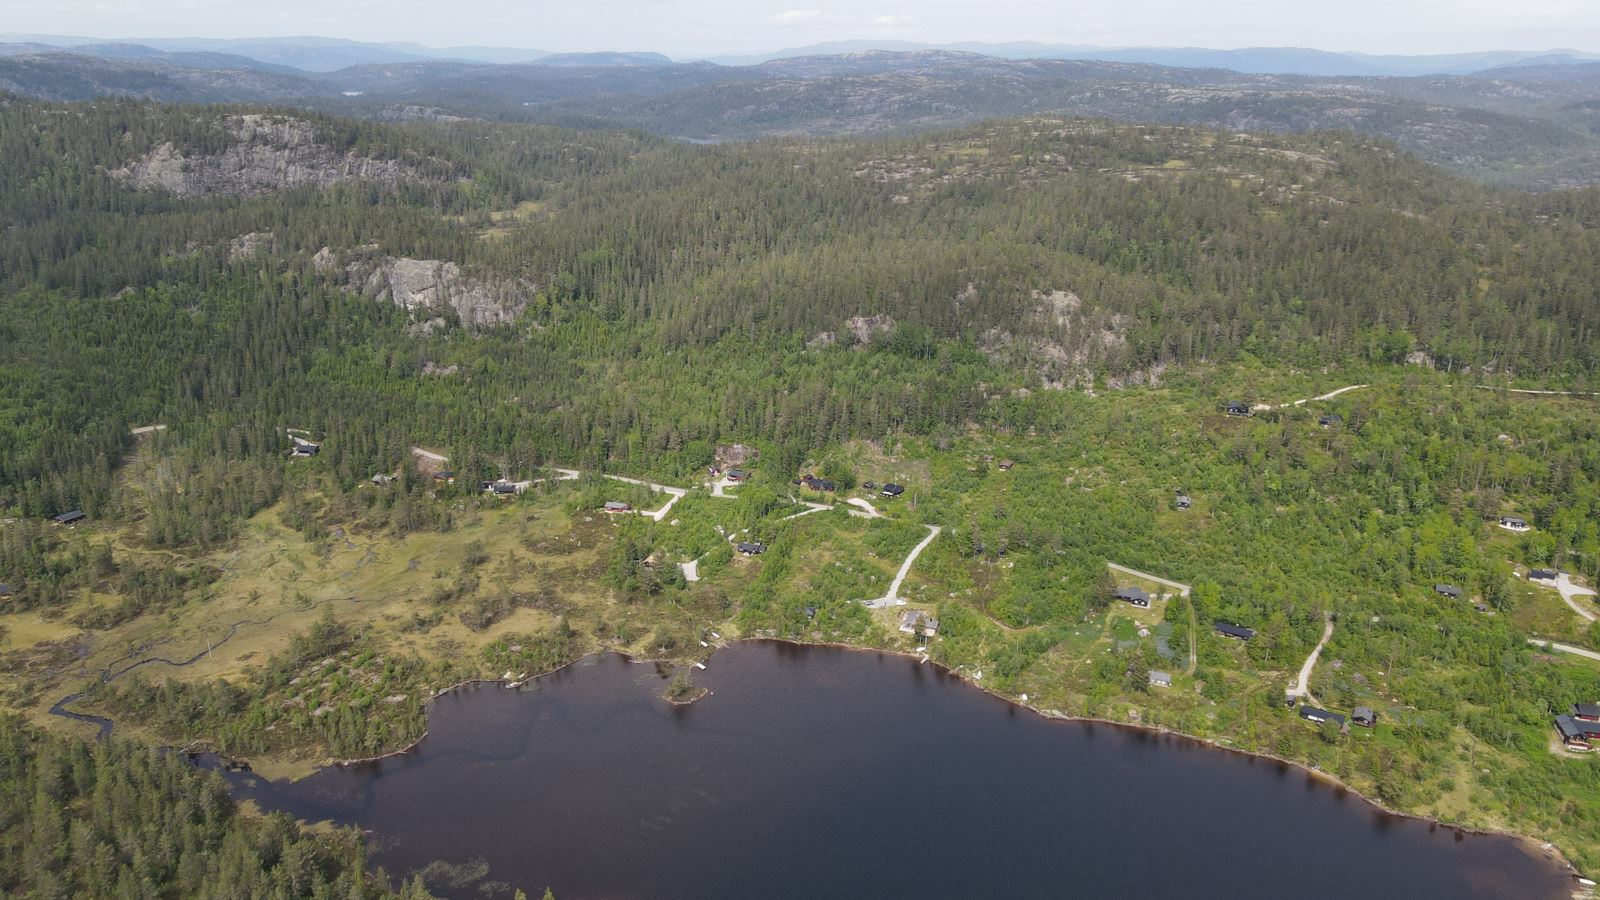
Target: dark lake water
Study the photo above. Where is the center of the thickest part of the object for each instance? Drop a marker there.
(812, 772)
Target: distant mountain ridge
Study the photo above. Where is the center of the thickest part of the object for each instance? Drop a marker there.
(323, 54)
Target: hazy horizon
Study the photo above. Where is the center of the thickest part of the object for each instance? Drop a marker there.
(708, 28)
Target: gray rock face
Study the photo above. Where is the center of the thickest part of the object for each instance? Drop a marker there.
(270, 153)
(430, 285)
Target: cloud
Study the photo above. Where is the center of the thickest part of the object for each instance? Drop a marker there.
(795, 17)
(869, 21)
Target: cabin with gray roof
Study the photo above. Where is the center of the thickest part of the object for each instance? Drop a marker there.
(1134, 595)
(914, 620)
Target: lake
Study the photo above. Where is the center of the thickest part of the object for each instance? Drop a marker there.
(818, 772)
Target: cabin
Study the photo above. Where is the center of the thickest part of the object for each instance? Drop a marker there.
(892, 490)
(381, 479)
(810, 612)
(818, 484)
(1005, 465)
(1448, 590)
(7, 590)
(1160, 679)
(1543, 574)
(1574, 736)
(1329, 421)
(913, 621)
(1133, 595)
(617, 506)
(1228, 629)
(737, 475)
(751, 548)
(1480, 606)
(1364, 716)
(868, 485)
(1237, 408)
(1583, 712)
(72, 517)
(1182, 500)
(503, 488)
(445, 476)
(1513, 523)
(1312, 714)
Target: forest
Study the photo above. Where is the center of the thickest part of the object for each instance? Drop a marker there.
(1077, 297)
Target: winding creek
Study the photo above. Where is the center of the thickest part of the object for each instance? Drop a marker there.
(814, 772)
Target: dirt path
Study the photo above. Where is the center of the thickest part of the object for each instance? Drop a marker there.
(868, 511)
(1328, 396)
(1564, 648)
(1488, 387)
(1301, 686)
(810, 508)
(429, 454)
(892, 598)
(1569, 593)
(1181, 588)
(675, 493)
(1194, 638)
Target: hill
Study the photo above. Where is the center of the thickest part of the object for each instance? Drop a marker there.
(1523, 127)
(1034, 326)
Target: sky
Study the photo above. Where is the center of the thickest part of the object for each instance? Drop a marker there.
(690, 28)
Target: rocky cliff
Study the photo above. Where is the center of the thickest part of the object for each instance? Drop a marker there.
(269, 153)
(428, 286)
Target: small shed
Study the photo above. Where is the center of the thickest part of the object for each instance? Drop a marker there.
(737, 475)
(71, 517)
(751, 548)
(445, 476)
(893, 490)
(1006, 464)
(1134, 595)
(1448, 590)
(614, 506)
(1182, 500)
(1237, 408)
(7, 590)
(1514, 523)
(1160, 679)
(503, 488)
(382, 479)
(1364, 716)
(1330, 420)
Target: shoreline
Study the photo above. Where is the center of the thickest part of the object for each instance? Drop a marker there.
(1533, 845)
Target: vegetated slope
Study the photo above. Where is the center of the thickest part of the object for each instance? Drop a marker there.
(655, 285)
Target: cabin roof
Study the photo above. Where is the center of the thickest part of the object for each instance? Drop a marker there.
(1578, 709)
(1312, 713)
(1449, 590)
(1130, 592)
(1232, 630)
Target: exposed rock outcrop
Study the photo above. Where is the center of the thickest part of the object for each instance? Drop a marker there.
(247, 244)
(269, 153)
(865, 327)
(432, 285)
